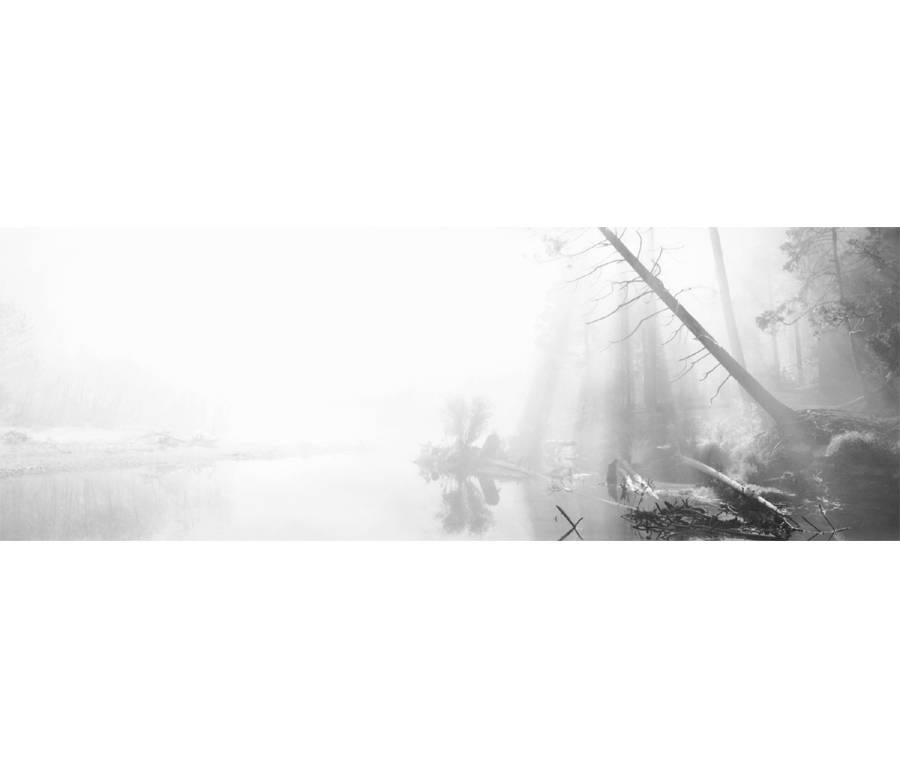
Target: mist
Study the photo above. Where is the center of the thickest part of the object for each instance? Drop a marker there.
(461, 383)
(329, 335)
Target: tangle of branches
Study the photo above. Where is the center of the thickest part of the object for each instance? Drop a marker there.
(691, 367)
(621, 306)
(643, 320)
(688, 357)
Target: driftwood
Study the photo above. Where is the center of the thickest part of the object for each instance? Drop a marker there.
(667, 514)
(740, 488)
(686, 520)
(745, 492)
(574, 525)
(735, 510)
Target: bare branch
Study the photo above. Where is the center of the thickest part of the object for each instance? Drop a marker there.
(705, 376)
(656, 263)
(719, 389)
(596, 269)
(601, 244)
(637, 327)
(645, 319)
(689, 368)
(688, 357)
(621, 306)
(605, 296)
(678, 330)
(630, 281)
(670, 320)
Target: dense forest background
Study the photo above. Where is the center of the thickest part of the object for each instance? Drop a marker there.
(811, 312)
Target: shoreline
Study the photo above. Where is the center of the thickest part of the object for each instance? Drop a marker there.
(43, 457)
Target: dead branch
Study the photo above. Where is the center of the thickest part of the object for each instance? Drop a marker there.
(601, 244)
(689, 368)
(705, 376)
(742, 490)
(678, 330)
(645, 319)
(596, 269)
(719, 388)
(621, 306)
(574, 525)
(604, 297)
(688, 520)
(671, 320)
(656, 264)
(637, 327)
(623, 283)
(688, 357)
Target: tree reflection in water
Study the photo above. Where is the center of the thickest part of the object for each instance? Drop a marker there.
(460, 462)
(465, 506)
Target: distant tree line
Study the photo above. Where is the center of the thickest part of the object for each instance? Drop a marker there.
(848, 281)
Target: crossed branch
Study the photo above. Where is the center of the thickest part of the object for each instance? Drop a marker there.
(574, 525)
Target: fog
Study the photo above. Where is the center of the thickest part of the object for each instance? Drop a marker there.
(430, 383)
(320, 335)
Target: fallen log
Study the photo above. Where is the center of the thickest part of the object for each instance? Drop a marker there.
(684, 514)
(685, 520)
(742, 490)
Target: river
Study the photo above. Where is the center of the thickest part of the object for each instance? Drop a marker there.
(371, 495)
(350, 496)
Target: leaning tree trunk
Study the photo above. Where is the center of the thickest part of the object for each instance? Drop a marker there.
(785, 418)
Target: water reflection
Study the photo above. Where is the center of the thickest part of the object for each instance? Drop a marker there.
(122, 504)
(465, 505)
(468, 481)
(356, 496)
(465, 466)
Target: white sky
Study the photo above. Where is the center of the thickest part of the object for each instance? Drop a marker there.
(340, 334)
(317, 334)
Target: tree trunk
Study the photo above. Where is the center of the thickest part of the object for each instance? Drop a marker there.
(776, 357)
(625, 387)
(657, 390)
(785, 418)
(539, 405)
(772, 333)
(734, 340)
(854, 351)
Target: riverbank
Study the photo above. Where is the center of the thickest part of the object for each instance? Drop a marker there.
(35, 451)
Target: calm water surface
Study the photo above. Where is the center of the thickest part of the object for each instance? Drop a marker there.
(347, 496)
(367, 496)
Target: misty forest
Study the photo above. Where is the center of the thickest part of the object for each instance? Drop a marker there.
(557, 384)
